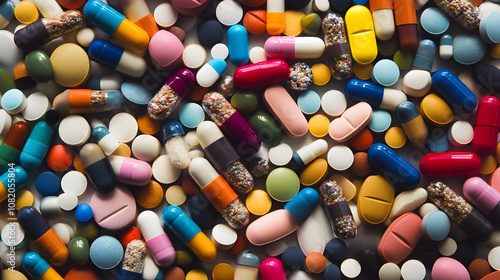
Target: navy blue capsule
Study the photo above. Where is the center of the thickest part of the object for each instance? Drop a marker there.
(454, 91)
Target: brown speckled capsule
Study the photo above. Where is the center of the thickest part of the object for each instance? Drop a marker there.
(337, 47)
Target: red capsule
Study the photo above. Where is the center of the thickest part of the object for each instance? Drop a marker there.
(261, 74)
(486, 125)
(450, 164)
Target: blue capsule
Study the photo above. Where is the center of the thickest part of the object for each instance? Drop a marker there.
(454, 91)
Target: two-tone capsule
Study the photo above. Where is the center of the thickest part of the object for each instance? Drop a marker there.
(290, 47)
(117, 58)
(81, 101)
(38, 268)
(338, 210)
(375, 95)
(98, 167)
(484, 197)
(413, 124)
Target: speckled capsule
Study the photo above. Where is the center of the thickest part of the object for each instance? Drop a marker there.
(338, 210)
(337, 47)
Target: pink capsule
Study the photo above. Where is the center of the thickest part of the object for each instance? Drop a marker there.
(484, 197)
(131, 171)
(272, 269)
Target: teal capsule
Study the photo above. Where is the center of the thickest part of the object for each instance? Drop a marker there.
(37, 145)
(446, 46)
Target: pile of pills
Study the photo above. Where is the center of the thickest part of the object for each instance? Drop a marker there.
(250, 139)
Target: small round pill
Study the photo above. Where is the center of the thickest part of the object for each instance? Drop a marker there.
(210, 32)
(223, 271)
(219, 51)
(340, 157)
(389, 271)
(436, 225)
(13, 101)
(333, 103)
(468, 48)
(13, 234)
(281, 154)
(385, 72)
(494, 258)
(403, 59)
(149, 196)
(67, 201)
(196, 274)
(26, 12)
(124, 127)
(106, 252)
(361, 165)
(165, 15)
(258, 202)
(292, 23)
(146, 147)
(59, 158)
(175, 195)
(315, 262)
(123, 150)
(191, 115)
(434, 21)
(229, 12)
(350, 268)
(447, 247)
(164, 171)
(293, 257)
(479, 268)
(282, 184)
(255, 21)
(24, 198)
(318, 125)
(71, 65)
(381, 121)
(309, 102)
(362, 141)
(257, 54)
(47, 183)
(194, 56)
(321, 74)
(74, 130)
(395, 137)
(413, 270)
(83, 212)
(461, 133)
(85, 36)
(37, 104)
(223, 237)
(147, 125)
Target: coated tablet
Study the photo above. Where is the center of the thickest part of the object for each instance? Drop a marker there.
(165, 15)
(114, 210)
(150, 195)
(309, 102)
(85, 36)
(124, 127)
(413, 270)
(257, 54)
(146, 147)
(321, 74)
(196, 274)
(106, 252)
(460, 133)
(447, 247)
(13, 101)
(175, 195)
(229, 12)
(389, 271)
(164, 171)
(71, 65)
(223, 237)
(292, 23)
(385, 72)
(223, 271)
(494, 258)
(258, 202)
(395, 137)
(37, 104)
(83, 212)
(74, 130)
(318, 125)
(194, 56)
(47, 183)
(219, 50)
(74, 182)
(282, 184)
(436, 225)
(434, 21)
(350, 268)
(468, 48)
(67, 201)
(135, 92)
(333, 103)
(381, 121)
(191, 115)
(281, 154)
(340, 157)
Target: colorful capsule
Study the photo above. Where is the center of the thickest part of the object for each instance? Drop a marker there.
(11, 181)
(36, 145)
(237, 42)
(412, 122)
(133, 261)
(103, 137)
(81, 101)
(98, 167)
(138, 12)
(13, 144)
(172, 134)
(460, 98)
(337, 47)
(130, 170)
(450, 164)
(486, 126)
(261, 74)
(484, 197)
(375, 95)
(290, 47)
(156, 239)
(338, 210)
(38, 268)
(247, 266)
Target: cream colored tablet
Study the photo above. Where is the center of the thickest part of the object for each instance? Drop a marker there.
(74, 130)
(164, 171)
(281, 154)
(461, 133)
(37, 104)
(194, 56)
(257, 54)
(67, 201)
(223, 237)
(340, 157)
(124, 127)
(146, 147)
(175, 195)
(74, 182)
(165, 15)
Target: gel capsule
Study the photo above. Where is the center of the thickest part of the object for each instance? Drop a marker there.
(484, 197)
(486, 126)
(261, 74)
(237, 42)
(138, 12)
(275, 20)
(81, 101)
(280, 223)
(307, 154)
(46, 29)
(116, 58)
(412, 122)
(156, 239)
(272, 269)
(376, 96)
(211, 72)
(38, 268)
(231, 123)
(6, 13)
(395, 169)
(460, 211)
(463, 11)
(405, 17)
(98, 167)
(289, 47)
(115, 24)
(189, 233)
(383, 18)
(418, 80)
(130, 170)
(224, 157)
(338, 50)
(450, 164)
(133, 261)
(454, 91)
(247, 266)
(36, 145)
(45, 238)
(11, 147)
(219, 193)
(173, 138)
(7, 185)
(171, 94)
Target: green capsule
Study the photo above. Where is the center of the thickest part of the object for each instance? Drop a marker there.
(244, 101)
(78, 248)
(266, 127)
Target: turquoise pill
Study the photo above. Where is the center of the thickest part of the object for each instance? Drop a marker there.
(381, 121)
(385, 72)
(309, 102)
(191, 115)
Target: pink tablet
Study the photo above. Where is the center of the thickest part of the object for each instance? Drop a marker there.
(449, 268)
(352, 121)
(114, 210)
(286, 111)
(166, 58)
(400, 238)
(190, 7)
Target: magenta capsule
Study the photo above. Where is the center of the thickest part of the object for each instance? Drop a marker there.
(484, 197)
(130, 170)
(272, 269)
(450, 164)
(261, 74)
(231, 123)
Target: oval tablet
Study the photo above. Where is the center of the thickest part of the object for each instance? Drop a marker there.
(375, 199)
(314, 172)
(115, 210)
(400, 238)
(352, 121)
(435, 111)
(448, 268)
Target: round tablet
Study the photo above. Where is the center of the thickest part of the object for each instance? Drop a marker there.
(223, 271)
(194, 56)
(258, 202)
(147, 125)
(114, 210)
(438, 143)
(309, 102)
(281, 154)
(488, 28)
(229, 12)
(196, 274)
(362, 141)
(300, 77)
(282, 184)
(26, 12)
(395, 137)
(488, 165)
(321, 74)
(135, 92)
(67, 201)
(13, 101)
(403, 59)
(380, 121)
(11, 54)
(71, 65)
(333, 103)
(74, 182)
(350, 268)
(434, 21)
(122, 150)
(191, 115)
(468, 48)
(340, 157)
(83, 212)
(37, 104)
(210, 32)
(494, 258)
(24, 198)
(74, 130)
(292, 23)
(255, 21)
(219, 50)
(461, 133)
(150, 195)
(47, 183)
(362, 71)
(175, 195)
(12, 234)
(413, 270)
(223, 237)
(436, 225)
(85, 36)
(165, 15)
(315, 262)
(389, 271)
(479, 268)
(447, 247)
(257, 54)
(318, 125)
(385, 72)
(164, 171)
(59, 158)
(124, 127)
(106, 252)
(146, 147)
